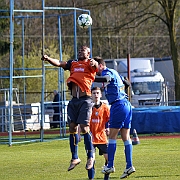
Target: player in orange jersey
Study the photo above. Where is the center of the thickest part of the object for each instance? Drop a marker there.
(99, 128)
(82, 74)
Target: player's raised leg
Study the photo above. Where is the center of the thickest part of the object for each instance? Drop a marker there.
(73, 139)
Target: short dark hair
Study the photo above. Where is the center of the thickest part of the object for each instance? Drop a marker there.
(95, 88)
(100, 60)
(84, 48)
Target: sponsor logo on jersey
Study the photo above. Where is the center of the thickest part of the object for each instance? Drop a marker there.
(78, 69)
(95, 120)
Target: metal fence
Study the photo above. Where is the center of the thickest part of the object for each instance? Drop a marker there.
(26, 124)
(17, 112)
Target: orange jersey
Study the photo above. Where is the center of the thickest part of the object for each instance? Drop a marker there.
(99, 118)
(82, 74)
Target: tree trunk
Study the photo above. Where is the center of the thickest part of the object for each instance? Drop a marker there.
(170, 9)
(176, 64)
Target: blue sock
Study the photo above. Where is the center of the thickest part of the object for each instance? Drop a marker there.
(91, 172)
(128, 153)
(106, 176)
(111, 152)
(88, 145)
(73, 138)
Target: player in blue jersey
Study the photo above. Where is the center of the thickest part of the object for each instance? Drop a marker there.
(120, 116)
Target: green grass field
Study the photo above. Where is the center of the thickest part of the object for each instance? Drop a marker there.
(153, 159)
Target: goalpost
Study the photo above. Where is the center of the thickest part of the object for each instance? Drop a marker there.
(42, 76)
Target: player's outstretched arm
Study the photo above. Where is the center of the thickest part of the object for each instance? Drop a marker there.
(54, 62)
(94, 63)
(102, 78)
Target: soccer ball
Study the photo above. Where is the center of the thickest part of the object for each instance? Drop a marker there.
(84, 20)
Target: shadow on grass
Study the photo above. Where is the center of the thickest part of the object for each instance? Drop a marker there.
(160, 176)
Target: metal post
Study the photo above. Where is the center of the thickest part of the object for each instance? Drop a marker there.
(75, 35)
(24, 79)
(43, 76)
(129, 75)
(90, 38)
(11, 70)
(60, 71)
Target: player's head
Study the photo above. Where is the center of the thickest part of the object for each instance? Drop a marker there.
(55, 92)
(84, 53)
(101, 64)
(96, 94)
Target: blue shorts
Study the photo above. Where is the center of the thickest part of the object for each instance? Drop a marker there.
(120, 115)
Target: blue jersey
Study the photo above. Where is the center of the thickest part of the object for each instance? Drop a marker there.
(114, 89)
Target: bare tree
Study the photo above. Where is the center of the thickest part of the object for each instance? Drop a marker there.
(170, 7)
(167, 14)
(146, 17)
(142, 28)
